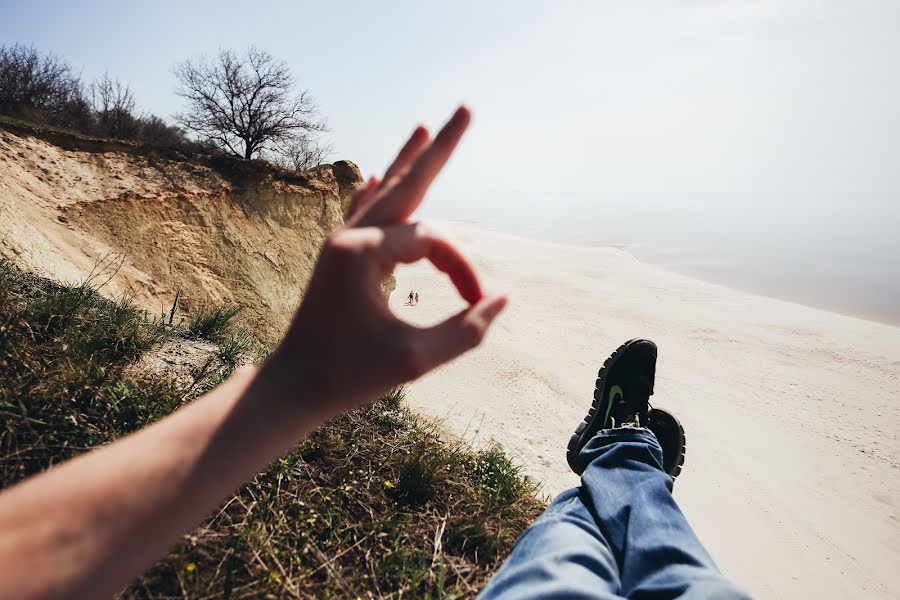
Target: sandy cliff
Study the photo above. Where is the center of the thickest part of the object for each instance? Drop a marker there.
(219, 229)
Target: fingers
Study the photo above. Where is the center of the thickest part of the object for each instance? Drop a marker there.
(411, 149)
(362, 197)
(411, 242)
(401, 196)
(461, 332)
(448, 259)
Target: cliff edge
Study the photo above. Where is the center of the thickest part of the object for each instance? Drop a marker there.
(153, 222)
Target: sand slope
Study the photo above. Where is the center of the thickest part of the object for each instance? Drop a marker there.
(162, 222)
(792, 476)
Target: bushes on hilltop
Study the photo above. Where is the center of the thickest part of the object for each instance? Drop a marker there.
(42, 88)
(243, 105)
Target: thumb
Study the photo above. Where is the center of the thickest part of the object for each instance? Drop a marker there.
(461, 332)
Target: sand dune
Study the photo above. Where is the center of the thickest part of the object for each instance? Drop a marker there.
(792, 476)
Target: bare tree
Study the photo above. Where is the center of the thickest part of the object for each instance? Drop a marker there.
(40, 86)
(113, 105)
(246, 106)
(304, 153)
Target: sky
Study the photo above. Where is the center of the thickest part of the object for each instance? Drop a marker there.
(751, 129)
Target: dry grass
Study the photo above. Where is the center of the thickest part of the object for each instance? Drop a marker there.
(374, 504)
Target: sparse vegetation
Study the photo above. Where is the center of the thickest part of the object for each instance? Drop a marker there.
(211, 322)
(63, 350)
(42, 88)
(237, 344)
(375, 504)
(240, 106)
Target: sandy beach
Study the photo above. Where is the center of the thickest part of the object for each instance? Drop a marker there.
(792, 476)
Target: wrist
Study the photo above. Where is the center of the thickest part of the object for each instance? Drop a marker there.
(291, 388)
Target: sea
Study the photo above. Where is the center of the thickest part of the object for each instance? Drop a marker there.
(836, 251)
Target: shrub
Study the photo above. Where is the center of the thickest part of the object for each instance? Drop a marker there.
(235, 346)
(211, 323)
(41, 86)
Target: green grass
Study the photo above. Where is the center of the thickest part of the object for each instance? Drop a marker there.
(211, 322)
(62, 353)
(236, 345)
(375, 504)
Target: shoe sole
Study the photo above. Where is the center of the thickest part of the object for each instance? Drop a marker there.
(575, 444)
(660, 421)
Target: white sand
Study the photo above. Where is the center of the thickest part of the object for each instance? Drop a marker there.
(792, 477)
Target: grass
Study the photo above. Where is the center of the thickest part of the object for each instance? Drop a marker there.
(66, 138)
(374, 504)
(235, 346)
(62, 353)
(211, 322)
(47, 128)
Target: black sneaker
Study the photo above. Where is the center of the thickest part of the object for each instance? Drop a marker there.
(624, 386)
(621, 399)
(670, 435)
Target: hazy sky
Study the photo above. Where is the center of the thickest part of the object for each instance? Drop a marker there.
(720, 95)
(746, 136)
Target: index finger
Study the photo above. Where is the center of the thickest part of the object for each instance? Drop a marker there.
(400, 199)
(408, 153)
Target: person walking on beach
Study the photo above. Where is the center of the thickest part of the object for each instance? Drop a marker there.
(87, 527)
(410, 297)
(417, 297)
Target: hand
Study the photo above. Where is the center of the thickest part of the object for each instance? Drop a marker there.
(345, 347)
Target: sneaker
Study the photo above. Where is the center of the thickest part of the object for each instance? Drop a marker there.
(621, 396)
(670, 435)
(622, 399)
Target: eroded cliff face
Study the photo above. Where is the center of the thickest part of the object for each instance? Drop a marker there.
(152, 223)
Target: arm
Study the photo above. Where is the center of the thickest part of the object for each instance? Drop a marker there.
(87, 527)
(84, 529)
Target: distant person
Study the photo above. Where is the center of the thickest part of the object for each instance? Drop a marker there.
(417, 297)
(410, 297)
(87, 527)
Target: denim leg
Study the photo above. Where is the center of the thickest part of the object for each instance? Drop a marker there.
(561, 555)
(630, 497)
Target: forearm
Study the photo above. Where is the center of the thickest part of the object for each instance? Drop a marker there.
(86, 527)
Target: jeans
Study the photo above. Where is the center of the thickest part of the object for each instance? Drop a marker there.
(620, 534)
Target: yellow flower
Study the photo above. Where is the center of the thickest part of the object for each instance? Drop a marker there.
(190, 567)
(389, 484)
